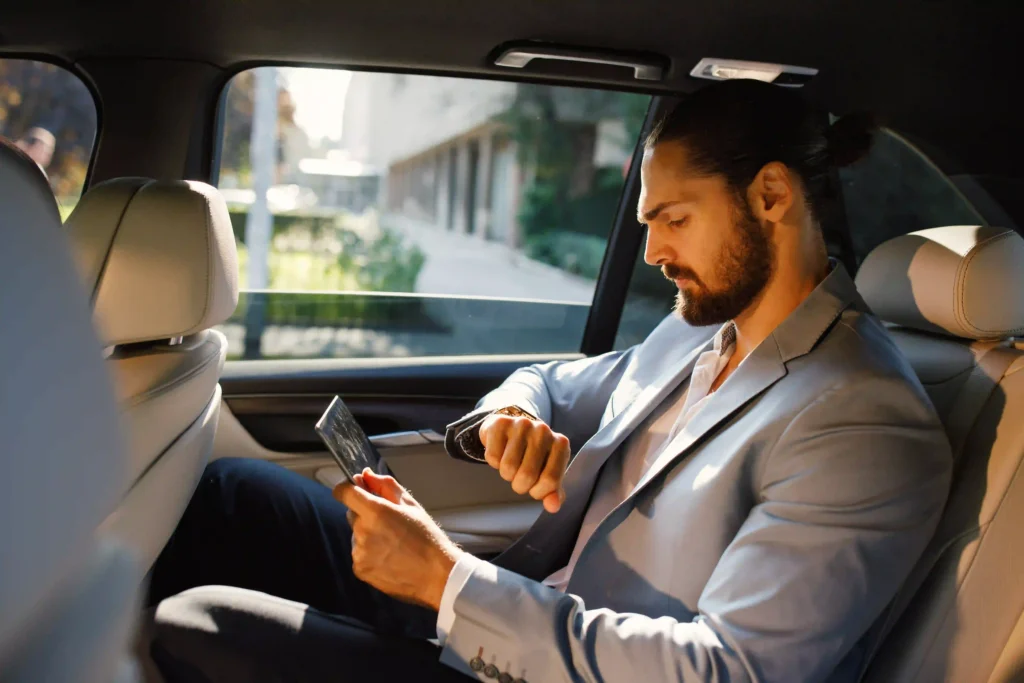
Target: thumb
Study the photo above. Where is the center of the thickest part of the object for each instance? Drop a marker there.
(356, 499)
(383, 486)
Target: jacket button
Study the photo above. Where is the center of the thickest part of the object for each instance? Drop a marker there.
(491, 671)
(476, 664)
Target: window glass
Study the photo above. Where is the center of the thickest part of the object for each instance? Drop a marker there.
(397, 215)
(893, 191)
(49, 113)
(896, 190)
(649, 299)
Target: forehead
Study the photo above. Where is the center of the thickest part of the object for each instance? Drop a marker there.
(666, 175)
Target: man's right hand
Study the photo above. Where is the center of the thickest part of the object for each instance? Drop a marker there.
(528, 454)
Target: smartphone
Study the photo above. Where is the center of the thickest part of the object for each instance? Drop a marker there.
(347, 442)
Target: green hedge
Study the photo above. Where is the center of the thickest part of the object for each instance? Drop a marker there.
(283, 222)
(573, 252)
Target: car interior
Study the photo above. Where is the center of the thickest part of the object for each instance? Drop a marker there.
(193, 354)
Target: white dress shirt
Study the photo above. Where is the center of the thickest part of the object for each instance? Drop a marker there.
(644, 447)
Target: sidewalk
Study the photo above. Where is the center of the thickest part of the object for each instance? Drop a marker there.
(466, 265)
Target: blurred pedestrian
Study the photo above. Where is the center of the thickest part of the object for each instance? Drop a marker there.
(38, 143)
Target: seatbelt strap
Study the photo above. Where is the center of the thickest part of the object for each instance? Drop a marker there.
(986, 375)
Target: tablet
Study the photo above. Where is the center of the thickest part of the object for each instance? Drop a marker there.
(347, 442)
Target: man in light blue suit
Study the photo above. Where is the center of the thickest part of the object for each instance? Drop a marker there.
(738, 498)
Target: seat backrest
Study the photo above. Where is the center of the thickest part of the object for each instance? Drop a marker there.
(954, 298)
(160, 263)
(66, 601)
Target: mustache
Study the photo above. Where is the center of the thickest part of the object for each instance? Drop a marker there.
(674, 272)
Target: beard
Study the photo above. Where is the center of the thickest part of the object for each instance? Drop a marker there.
(745, 265)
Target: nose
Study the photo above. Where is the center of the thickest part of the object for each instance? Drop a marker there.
(656, 251)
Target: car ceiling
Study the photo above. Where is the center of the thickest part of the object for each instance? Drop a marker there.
(942, 72)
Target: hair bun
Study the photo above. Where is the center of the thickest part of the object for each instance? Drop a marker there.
(850, 137)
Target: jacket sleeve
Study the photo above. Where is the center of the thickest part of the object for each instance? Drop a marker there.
(849, 495)
(570, 396)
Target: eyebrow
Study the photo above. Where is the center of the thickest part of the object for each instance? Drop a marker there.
(653, 213)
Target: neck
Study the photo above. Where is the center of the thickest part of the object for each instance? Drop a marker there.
(786, 290)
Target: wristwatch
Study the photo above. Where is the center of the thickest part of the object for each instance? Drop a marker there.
(469, 438)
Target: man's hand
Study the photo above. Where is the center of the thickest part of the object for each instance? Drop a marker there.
(527, 453)
(396, 546)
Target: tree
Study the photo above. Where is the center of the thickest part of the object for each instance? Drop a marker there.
(568, 204)
(238, 108)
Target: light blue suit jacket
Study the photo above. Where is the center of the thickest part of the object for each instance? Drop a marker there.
(797, 502)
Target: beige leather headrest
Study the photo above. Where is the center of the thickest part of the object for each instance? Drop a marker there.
(963, 280)
(158, 256)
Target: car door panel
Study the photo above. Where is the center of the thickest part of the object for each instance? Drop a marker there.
(270, 407)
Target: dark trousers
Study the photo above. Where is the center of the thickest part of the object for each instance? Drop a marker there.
(256, 526)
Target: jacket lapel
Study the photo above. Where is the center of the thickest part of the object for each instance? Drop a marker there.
(592, 456)
(758, 371)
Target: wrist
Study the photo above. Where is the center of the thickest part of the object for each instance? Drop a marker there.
(442, 569)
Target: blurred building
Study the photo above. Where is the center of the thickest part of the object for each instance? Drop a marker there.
(447, 157)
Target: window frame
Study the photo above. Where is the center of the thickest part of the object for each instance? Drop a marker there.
(85, 79)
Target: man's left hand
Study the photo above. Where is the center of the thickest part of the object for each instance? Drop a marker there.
(396, 546)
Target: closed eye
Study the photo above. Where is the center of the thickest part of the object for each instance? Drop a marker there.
(679, 222)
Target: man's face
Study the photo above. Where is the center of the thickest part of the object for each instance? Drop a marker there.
(703, 237)
(38, 145)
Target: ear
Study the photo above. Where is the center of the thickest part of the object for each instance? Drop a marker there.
(772, 193)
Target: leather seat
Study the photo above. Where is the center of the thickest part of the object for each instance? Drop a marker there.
(159, 260)
(954, 297)
(67, 602)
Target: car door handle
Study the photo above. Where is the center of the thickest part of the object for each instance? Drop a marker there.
(422, 437)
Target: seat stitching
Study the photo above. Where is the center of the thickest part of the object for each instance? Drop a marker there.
(962, 275)
(110, 245)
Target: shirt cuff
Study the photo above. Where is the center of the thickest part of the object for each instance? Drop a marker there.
(457, 579)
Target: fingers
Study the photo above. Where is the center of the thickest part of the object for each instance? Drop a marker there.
(549, 481)
(526, 453)
(358, 500)
(384, 486)
(496, 428)
(515, 447)
(538, 452)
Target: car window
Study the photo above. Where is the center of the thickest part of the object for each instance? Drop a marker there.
(383, 215)
(896, 189)
(49, 113)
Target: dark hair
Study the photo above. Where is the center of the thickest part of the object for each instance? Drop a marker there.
(733, 128)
